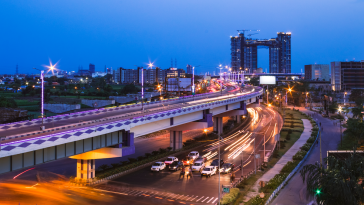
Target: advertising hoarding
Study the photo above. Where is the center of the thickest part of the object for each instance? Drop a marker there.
(267, 80)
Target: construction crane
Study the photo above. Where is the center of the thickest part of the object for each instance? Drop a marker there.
(243, 31)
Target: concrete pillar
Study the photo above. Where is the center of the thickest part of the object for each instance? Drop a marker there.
(238, 119)
(218, 125)
(175, 139)
(85, 169)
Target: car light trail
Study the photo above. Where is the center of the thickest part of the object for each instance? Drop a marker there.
(236, 141)
(23, 173)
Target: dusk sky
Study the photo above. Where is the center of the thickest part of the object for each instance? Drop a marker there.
(125, 33)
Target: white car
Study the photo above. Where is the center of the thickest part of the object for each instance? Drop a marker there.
(170, 160)
(194, 155)
(158, 166)
(208, 171)
(198, 166)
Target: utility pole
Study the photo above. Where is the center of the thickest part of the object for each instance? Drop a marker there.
(255, 160)
(242, 157)
(341, 133)
(219, 135)
(320, 146)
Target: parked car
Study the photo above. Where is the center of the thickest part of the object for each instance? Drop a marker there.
(208, 171)
(169, 160)
(198, 166)
(158, 166)
(215, 163)
(176, 165)
(226, 168)
(194, 154)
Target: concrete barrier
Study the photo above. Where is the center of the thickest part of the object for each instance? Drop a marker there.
(61, 108)
(98, 103)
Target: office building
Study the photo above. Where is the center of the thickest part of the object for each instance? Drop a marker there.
(149, 76)
(175, 73)
(244, 53)
(347, 75)
(160, 75)
(128, 75)
(91, 68)
(189, 69)
(317, 72)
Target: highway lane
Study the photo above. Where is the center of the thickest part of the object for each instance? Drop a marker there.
(141, 187)
(173, 105)
(170, 185)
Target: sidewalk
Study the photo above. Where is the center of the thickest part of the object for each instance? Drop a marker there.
(283, 160)
(295, 190)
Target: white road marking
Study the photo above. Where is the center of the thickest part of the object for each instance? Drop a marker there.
(215, 200)
(210, 200)
(205, 199)
(111, 192)
(200, 198)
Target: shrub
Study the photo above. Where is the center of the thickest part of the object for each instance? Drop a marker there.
(288, 137)
(169, 149)
(104, 167)
(276, 181)
(311, 139)
(299, 155)
(132, 160)
(147, 155)
(230, 197)
(283, 144)
(155, 153)
(140, 158)
(289, 167)
(114, 165)
(256, 200)
(306, 146)
(275, 154)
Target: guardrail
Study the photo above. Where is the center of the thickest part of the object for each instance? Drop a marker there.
(15, 125)
(291, 174)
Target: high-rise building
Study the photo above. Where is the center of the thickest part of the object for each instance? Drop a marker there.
(347, 75)
(128, 75)
(189, 69)
(91, 68)
(317, 72)
(160, 75)
(244, 53)
(149, 76)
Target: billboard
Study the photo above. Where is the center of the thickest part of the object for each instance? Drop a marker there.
(179, 84)
(267, 80)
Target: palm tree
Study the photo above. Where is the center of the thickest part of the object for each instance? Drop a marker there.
(357, 112)
(339, 183)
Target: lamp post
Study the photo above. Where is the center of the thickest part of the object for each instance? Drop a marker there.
(142, 89)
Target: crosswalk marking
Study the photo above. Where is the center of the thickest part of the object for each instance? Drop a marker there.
(215, 200)
(200, 198)
(205, 199)
(210, 200)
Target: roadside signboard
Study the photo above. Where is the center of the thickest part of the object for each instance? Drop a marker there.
(226, 188)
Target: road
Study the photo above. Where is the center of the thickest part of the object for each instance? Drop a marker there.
(140, 187)
(295, 191)
(121, 114)
(169, 186)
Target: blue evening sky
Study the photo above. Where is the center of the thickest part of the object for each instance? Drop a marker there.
(124, 33)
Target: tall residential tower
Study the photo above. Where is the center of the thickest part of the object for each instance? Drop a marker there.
(244, 53)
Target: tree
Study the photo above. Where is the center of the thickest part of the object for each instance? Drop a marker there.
(357, 96)
(333, 107)
(339, 183)
(254, 81)
(9, 103)
(357, 112)
(130, 88)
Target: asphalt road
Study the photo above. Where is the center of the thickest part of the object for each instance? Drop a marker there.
(295, 191)
(170, 186)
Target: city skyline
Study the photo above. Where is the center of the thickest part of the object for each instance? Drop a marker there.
(112, 34)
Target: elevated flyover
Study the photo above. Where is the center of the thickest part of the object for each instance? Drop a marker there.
(117, 131)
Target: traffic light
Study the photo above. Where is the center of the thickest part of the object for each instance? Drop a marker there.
(318, 191)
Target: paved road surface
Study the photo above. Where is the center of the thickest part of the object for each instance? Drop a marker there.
(295, 191)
